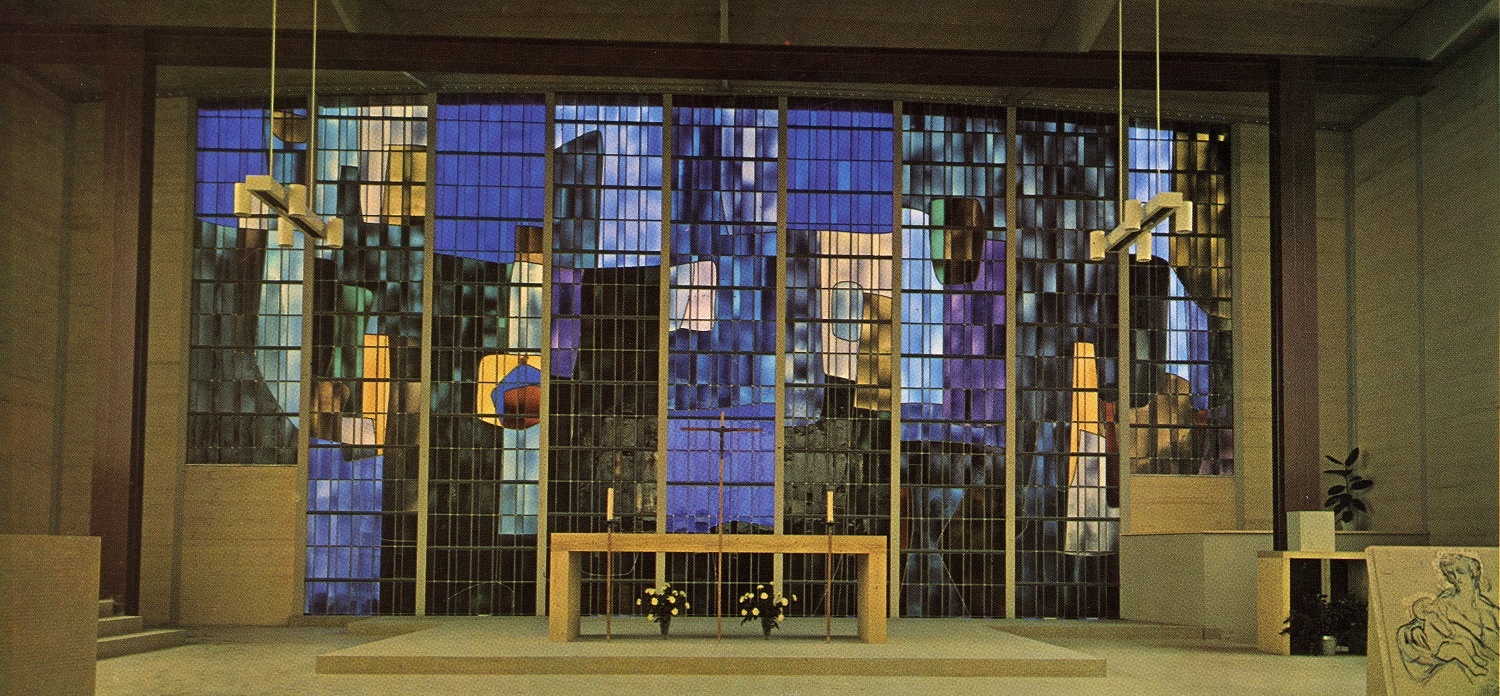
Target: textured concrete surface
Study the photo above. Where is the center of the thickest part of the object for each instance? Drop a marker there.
(519, 645)
(229, 660)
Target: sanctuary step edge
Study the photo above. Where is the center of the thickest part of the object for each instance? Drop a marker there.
(127, 635)
(1044, 629)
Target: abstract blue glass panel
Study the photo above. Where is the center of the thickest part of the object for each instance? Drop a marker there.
(1067, 473)
(1181, 312)
(840, 221)
(365, 364)
(953, 361)
(606, 314)
(485, 451)
(722, 313)
(245, 327)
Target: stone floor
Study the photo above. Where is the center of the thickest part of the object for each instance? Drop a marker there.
(281, 661)
(518, 645)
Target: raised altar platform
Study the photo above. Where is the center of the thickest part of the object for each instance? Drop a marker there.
(520, 645)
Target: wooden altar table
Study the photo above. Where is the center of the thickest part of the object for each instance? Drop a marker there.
(565, 592)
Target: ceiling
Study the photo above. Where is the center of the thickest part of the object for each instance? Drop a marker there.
(1428, 30)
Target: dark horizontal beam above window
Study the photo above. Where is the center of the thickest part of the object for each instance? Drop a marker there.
(250, 48)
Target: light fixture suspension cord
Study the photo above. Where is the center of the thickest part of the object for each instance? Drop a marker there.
(312, 120)
(1122, 165)
(1157, 136)
(271, 121)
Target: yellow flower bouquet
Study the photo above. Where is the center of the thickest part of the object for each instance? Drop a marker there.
(764, 604)
(663, 603)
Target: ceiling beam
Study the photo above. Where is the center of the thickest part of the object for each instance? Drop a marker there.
(1430, 32)
(1078, 25)
(366, 16)
(422, 55)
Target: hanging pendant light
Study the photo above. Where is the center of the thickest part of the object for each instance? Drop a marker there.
(1137, 219)
(295, 205)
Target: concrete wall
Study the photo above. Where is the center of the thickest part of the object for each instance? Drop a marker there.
(1177, 504)
(240, 546)
(1250, 208)
(1460, 205)
(48, 220)
(1426, 344)
(1193, 579)
(1333, 294)
(174, 170)
(49, 589)
(1251, 211)
(219, 544)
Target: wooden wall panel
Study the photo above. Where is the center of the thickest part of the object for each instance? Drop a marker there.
(239, 546)
(1295, 457)
(129, 83)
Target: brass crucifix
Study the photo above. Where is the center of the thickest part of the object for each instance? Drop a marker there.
(719, 573)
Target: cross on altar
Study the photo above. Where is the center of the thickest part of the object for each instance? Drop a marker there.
(721, 429)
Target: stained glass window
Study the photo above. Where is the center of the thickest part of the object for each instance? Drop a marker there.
(366, 359)
(839, 333)
(606, 285)
(1183, 416)
(1067, 563)
(486, 355)
(245, 345)
(722, 335)
(663, 329)
(953, 361)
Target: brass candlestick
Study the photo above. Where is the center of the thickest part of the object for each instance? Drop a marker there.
(828, 575)
(609, 557)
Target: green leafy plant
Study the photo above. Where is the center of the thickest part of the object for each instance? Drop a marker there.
(662, 604)
(1344, 618)
(1343, 497)
(764, 604)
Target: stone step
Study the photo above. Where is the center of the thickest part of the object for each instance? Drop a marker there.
(106, 608)
(120, 625)
(143, 641)
(1048, 629)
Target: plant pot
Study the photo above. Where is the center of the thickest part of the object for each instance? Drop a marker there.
(766, 624)
(665, 623)
(1329, 646)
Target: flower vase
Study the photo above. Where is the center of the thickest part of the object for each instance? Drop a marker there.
(665, 622)
(766, 624)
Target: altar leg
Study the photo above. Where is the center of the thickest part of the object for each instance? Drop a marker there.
(871, 569)
(565, 596)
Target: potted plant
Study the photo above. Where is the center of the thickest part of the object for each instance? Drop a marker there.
(1319, 626)
(1349, 617)
(1343, 498)
(765, 604)
(663, 603)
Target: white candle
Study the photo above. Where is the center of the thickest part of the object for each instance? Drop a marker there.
(829, 518)
(609, 505)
